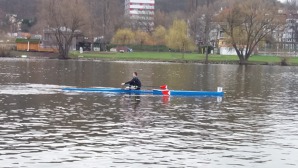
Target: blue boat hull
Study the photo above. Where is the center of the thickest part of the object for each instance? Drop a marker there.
(189, 93)
(153, 92)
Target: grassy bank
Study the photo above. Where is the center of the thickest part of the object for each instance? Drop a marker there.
(164, 57)
(187, 57)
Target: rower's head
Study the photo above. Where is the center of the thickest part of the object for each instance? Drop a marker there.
(135, 74)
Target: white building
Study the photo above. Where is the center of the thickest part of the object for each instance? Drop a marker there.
(139, 8)
(141, 11)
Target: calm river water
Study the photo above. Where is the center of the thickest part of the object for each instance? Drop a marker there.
(255, 125)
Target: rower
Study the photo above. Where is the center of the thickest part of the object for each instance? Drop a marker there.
(135, 83)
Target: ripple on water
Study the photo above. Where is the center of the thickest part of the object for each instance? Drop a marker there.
(251, 127)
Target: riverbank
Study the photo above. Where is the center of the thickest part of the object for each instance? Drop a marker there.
(186, 58)
(46, 55)
(166, 57)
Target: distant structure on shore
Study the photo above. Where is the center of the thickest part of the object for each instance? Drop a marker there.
(141, 13)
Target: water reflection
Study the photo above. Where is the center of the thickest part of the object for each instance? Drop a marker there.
(255, 125)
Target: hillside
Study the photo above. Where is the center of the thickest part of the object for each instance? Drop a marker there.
(172, 5)
(24, 8)
(28, 8)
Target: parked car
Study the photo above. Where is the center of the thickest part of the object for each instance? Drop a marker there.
(123, 49)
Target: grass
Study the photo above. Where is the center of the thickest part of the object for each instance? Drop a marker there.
(187, 57)
(158, 56)
(274, 59)
(166, 57)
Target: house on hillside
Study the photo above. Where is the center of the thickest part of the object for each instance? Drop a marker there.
(289, 35)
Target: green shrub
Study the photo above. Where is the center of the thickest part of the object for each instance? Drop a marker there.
(284, 61)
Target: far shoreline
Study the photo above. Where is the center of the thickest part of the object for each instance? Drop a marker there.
(165, 57)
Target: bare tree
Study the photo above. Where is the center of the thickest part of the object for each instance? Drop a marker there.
(64, 19)
(200, 23)
(146, 21)
(107, 17)
(160, 18)
(247, 23)
(166, 19)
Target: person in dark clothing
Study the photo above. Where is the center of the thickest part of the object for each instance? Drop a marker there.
(135, 83)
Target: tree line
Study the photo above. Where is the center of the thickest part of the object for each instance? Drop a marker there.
(244, 23)
(175, 37)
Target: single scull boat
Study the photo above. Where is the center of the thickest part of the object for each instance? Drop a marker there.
(217, 93)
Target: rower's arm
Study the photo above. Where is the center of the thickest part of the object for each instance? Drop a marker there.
(128, 83)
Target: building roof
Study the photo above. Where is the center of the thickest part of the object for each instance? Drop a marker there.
(23, 40)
